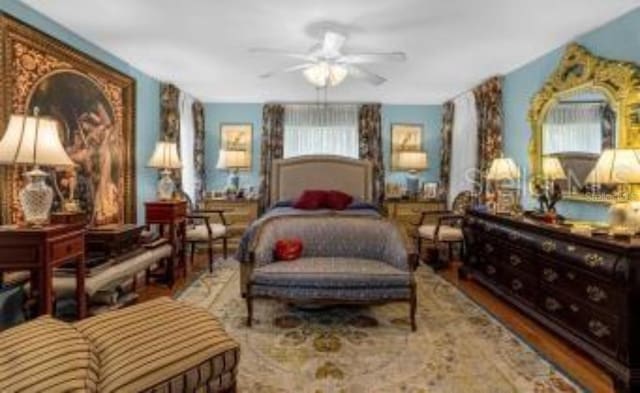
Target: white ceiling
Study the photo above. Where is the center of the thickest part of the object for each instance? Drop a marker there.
(202, 45)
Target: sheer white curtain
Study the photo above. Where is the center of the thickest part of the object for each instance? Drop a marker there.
(573, 128)
(187, 140)
(464, 146)
(321, 129)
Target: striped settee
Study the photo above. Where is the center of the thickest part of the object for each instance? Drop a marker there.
(158, 346)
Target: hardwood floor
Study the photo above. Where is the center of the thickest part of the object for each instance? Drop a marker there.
(574, 363)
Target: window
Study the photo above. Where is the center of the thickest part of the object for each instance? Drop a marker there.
(321, 129)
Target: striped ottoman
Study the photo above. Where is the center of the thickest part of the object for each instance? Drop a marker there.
(161, 346)
(46, 355)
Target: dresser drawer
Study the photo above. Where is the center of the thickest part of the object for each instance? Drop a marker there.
(64, 249)
(599, 328)
(582, 285)
(522, 286)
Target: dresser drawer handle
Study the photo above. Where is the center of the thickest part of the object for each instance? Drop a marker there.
(599, 329)
(491, 270)
(574, 308)
(593, 260)
(550, 275)
(489, 248)
(596, 294)
(513, 236)
(516, 285)
(548, 246)
(552, 304)
(515, 260)
(571, 276)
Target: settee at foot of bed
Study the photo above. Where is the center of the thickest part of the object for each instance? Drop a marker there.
(345, 260)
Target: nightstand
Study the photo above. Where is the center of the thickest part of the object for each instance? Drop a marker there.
(407, 212)
(238, 213)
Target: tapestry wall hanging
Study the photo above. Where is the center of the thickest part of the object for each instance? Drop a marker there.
(94, 106)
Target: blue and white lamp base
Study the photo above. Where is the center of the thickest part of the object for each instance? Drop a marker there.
(413, 184)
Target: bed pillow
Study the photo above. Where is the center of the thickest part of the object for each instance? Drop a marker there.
(311, 200)
(338, 200)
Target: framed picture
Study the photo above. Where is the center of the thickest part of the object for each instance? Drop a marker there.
(94, 105)
(238, 137)
(404, 137)
(430, 190)
(393, 190)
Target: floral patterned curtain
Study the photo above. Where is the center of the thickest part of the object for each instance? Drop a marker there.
(270, 149)
(170, 120)
(448, 110)
(490, 119)
(198, 152)
(370, 146)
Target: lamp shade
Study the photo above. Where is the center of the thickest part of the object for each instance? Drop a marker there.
(412, 160)
(33, 140)
(616, 166)
(552, 169)
(233, 159)
(165, 156)
(503, 169)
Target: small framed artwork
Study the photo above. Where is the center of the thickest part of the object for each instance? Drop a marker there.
(404, 137)
(238, 137)
(393, 190)
(430, 190)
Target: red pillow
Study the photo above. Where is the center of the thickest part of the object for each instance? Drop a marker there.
(338, 200)
(288, 249)
(311, 199)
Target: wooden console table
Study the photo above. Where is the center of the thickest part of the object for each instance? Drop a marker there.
(171, 214)
(40, 250)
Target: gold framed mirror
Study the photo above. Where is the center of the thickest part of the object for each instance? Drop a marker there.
(588, 104)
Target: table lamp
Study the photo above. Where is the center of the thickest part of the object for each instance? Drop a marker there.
(166, 158)
(233, 160)
(412, 161)
(502, 169)
(618, 167)
(34, 140)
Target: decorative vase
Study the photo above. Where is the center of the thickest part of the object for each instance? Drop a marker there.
(36, 198)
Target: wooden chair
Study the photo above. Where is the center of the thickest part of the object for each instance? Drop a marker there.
(201, 230)
(447, 228)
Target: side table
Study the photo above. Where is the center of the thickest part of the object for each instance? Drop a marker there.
(171, 214)
(40, 250)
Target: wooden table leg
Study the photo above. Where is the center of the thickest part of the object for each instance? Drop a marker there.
(45, 303)
(183, 247)
(81, 299)
(171, 276)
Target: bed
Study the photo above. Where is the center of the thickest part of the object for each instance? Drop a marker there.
(349, 256)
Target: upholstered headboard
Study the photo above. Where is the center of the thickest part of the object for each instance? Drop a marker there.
(291, 176)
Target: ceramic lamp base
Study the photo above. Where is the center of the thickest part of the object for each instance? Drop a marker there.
(36, 198)
(166, 186)
(413, 184)
(233, 181)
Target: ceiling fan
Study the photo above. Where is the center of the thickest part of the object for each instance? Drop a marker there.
(327, 65)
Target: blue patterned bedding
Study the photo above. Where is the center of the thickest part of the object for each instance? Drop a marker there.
(283, 210)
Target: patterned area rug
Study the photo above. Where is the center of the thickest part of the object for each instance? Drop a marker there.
(458, 346)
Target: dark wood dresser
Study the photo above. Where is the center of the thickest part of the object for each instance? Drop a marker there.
(585, 289)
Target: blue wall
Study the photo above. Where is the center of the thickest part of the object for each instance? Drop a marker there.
(216, 114)
(147, 120)
(618, 39)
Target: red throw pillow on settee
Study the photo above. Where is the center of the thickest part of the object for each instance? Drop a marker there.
(311, 199)
(288, 249)
(338, 200)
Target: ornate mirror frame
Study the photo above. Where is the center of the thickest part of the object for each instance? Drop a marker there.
(579, 69)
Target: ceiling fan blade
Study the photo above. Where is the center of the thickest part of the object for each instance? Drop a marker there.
(361, 73)
(294, 68)
(367, 58)
(332, 43)
(282, 52)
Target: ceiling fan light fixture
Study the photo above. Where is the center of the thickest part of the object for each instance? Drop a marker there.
(324, 74)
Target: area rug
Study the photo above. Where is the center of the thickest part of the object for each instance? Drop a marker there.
(458, 346)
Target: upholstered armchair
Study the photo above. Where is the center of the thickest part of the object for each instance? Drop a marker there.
(445, 226)
(201, 230)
